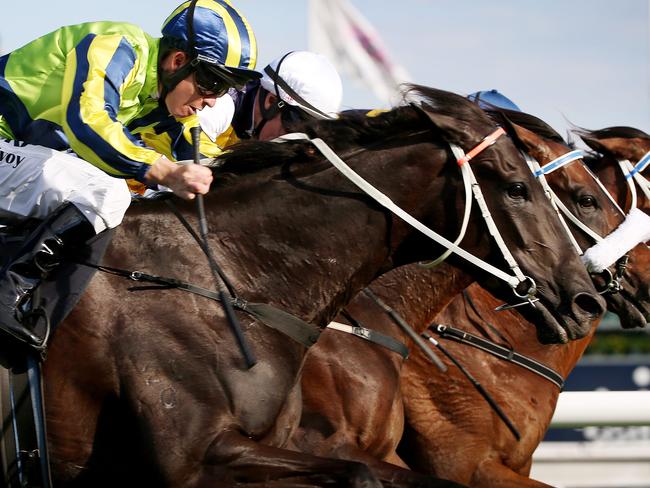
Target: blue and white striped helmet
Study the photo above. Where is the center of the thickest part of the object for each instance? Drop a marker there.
(214, 32)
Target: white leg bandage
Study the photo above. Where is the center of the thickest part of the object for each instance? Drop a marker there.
(34, 180)
(634, 230)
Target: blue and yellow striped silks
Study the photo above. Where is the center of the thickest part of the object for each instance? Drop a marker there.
(78, 87)
(221, 33)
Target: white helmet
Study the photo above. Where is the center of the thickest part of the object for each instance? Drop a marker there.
(306, 80)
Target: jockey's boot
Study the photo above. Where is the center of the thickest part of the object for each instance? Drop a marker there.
(40, 255)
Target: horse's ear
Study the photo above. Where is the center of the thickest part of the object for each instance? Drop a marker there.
(533, 144)
(594, 143)
(502, 119)
(452, 129)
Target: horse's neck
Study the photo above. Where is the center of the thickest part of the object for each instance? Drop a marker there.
(306, 245)
(477, 309)
(418, 294)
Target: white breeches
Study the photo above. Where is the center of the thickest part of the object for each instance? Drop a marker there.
(34, 180)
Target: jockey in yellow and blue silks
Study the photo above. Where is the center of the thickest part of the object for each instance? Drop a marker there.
(98, 85)
(92, 89)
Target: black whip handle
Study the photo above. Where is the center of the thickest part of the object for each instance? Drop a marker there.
(226, 298)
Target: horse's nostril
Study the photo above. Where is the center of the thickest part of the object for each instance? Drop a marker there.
(585, 303)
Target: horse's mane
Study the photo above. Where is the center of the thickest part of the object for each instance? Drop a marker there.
(353, 129)
(612, 132)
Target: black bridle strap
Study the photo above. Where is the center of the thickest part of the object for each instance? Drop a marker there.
(290, 325)
(479, 387)
(501, 352)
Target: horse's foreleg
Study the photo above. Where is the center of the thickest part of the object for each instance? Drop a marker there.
(235, 460)
(341, 446)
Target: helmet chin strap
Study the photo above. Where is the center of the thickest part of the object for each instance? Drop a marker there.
(273, 110)
(170, 80)
(267, 113)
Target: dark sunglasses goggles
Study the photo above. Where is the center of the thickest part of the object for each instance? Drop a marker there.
(215, 80)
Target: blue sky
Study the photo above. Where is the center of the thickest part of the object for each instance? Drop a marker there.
(585, 61)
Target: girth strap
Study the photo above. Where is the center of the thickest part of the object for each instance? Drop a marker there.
(290, 325)
(372, 336)
(463, 337)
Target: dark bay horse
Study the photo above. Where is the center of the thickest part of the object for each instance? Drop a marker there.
(366, 421)
(148, 388)
(451, 430)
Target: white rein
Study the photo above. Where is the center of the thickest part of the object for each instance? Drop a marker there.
(468, 176)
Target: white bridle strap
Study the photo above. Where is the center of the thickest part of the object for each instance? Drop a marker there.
(463, 227)
(558, 163)
(468, 175)
(550, 194)
(633, 174)
(461, 159)
(627, 168)
(387, 203)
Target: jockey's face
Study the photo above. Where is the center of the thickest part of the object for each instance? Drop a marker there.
(186, 97)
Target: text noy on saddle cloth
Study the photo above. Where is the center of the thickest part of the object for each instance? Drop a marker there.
(119, 112)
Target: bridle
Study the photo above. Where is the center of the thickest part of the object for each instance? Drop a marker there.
(612, 279)
(633, 174)
(516, 281)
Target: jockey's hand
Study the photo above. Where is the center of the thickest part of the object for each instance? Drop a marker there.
(184, 180)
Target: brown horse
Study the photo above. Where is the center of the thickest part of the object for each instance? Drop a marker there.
(451, 430)
(612, 145)
(348, 428)
(149, 389)
(366, 421)
(352, 406)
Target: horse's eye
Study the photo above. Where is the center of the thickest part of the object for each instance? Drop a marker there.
(587, 202)
(517, 191)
